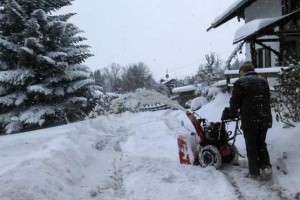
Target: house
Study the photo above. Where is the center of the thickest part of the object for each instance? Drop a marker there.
(271, 33)
(170, 84)
(185, 93)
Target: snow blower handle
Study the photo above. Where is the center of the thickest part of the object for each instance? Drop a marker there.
(228, 116)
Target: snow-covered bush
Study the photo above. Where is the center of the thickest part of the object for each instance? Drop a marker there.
(135, 101)
(205, 95)
(102, 105)
(286, 98)
(198, 102)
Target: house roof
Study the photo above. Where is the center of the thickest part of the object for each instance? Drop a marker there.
(259, 27)
(234, 10)
(187, 88)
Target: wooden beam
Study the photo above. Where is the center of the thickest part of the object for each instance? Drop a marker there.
(267, 47)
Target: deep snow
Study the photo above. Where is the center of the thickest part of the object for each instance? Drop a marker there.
(135, 157)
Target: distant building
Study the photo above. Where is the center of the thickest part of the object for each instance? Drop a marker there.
(185, 93)
(170, 84)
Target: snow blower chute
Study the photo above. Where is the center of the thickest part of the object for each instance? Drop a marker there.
(212, 144)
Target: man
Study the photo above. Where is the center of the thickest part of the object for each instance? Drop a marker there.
(251, 99)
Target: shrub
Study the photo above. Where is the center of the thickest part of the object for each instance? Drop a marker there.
(286, 98)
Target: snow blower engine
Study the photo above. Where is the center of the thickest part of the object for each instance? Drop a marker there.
(212, 144)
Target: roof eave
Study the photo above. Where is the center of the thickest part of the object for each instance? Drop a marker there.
(238, 11)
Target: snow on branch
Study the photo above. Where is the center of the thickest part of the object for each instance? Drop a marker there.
(59, 91)
(79, 67)
(77, 100)
(56, 54)
(36, 114)
(53, 79)
(27, 50)
(8, 45)
(17, 9)
(15, 98)
(13, 126)
(15, 77)
(33, 42)
(46, 59)
(233, 54)
(40, 88)
(79, 84)
(76, 51)
(3, 90)
(39, 14)
(72, 75)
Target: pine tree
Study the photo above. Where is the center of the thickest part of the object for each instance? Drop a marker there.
(98, 77)
(42, 78)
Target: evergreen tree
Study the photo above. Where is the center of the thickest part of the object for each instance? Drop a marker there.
(42, 79)
(98, 77)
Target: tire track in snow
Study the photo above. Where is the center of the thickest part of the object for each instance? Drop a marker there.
(247, 188)
(103, 177)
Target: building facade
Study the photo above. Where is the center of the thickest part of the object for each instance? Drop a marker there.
(271, 31)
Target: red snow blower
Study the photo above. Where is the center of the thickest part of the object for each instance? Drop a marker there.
(212, 144)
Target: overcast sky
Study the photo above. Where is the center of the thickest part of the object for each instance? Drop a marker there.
(164, 34)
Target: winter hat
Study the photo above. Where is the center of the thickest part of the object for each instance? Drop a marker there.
(247, 67)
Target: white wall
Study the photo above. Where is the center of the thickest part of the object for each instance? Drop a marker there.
(263, 9)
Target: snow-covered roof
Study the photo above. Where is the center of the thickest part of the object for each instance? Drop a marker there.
(223, 82)
(187, 88)
(168, 81)
(235, 9)
(258, 25)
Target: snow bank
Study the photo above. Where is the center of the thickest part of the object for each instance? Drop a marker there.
(45, 165)
(135, 156)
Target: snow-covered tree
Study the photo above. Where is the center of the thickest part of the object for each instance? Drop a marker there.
(211, 70)
(112, 77)
(98, 77)
(136, 76)
(42, 78)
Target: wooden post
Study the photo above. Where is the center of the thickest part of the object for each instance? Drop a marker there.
(228, 82)
(253, 54)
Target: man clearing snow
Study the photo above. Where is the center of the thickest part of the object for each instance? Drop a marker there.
(251, 97)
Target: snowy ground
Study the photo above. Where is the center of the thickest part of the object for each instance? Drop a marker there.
(135, 157)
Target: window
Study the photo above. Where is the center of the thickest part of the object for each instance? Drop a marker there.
(290, 6)
(267, 58)
(259, 58)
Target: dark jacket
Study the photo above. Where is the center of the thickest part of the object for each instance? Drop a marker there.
(251, 97)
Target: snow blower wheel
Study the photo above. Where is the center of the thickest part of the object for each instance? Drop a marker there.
(235, 155)
(210, 156)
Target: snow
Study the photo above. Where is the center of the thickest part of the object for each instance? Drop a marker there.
(187, 88)
(223, 82)
(233, 7)
(134, 156)
(40, 88)
(17, 76)
(259, 70)
(254, 26)
(198, 102)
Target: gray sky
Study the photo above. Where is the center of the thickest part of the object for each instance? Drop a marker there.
(164, 34)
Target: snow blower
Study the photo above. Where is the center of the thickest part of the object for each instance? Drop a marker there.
(212, 144)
